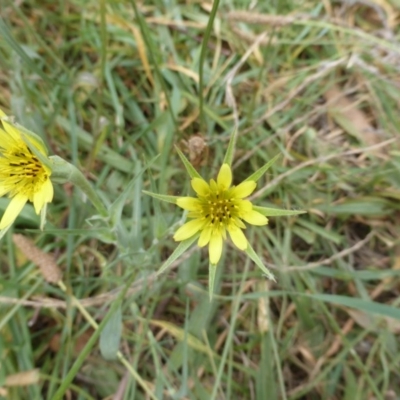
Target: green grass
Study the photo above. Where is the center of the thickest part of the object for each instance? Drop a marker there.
(110, 91)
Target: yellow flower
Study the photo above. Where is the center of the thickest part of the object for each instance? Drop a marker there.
(23, 174)
(219, 208)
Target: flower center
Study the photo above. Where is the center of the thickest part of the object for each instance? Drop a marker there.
(25, 165)
(21, 171)
(219, 208)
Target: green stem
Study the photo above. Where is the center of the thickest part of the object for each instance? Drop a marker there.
(206, 37)
(63, 171)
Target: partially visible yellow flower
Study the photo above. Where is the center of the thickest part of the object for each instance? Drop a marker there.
(219, 208)
(23, 175)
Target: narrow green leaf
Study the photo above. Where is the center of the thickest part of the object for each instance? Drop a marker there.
(181, 335)
(231, 148)
(110, 336)
(276, 212)
(4, 231)
(209, 111)
(43, 212)
(328, 234)
(63, 171)
(183, 246)
(260, 172)
(204, 48)
(154, 55)
(115, 211)
(87, 141)
(369, 306)
(189, 167)
(212, 269)
(6, 34)
(162, 197)
(368, 206)
(253, 255)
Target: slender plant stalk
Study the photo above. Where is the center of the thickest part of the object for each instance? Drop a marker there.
(206, 38)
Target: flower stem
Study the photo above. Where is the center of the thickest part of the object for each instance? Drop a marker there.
(63, 171)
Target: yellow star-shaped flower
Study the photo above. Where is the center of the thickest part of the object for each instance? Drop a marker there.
(219, 208)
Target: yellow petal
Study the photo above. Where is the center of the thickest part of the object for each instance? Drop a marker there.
(13, 132)
(44, 195)
(13, 209)
(2, 113)
(244, 189)
(213, 186)
(238, 237)
(223, 232)
(254, 218)
(200, 186)
(188, 230)
(215, 247)
(48, 188)
(224, 178)
(4, 190)
(194, 214)
(244, 206)
(188, 203)
(5, 139)
(238, 222)
(204, 236)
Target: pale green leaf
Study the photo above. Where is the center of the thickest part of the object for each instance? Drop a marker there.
(4, 231)
(183, 246)
(260, 172)
(276, 212)
(212, 269)
(115, 210)
(368, 306)
(110, 336)
(86, 141)
(322, 231)
(8, 38)
(162, 197)
(253, 255)
(368, 206)
(43, 216)
(231, 148)
(189, 167)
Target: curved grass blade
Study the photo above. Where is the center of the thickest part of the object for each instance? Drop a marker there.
(189, 167)
(276, 212)
(254, 256)
(162, 197)
(183, 246)
(260, 172)
(231, 148)
(212, 269)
